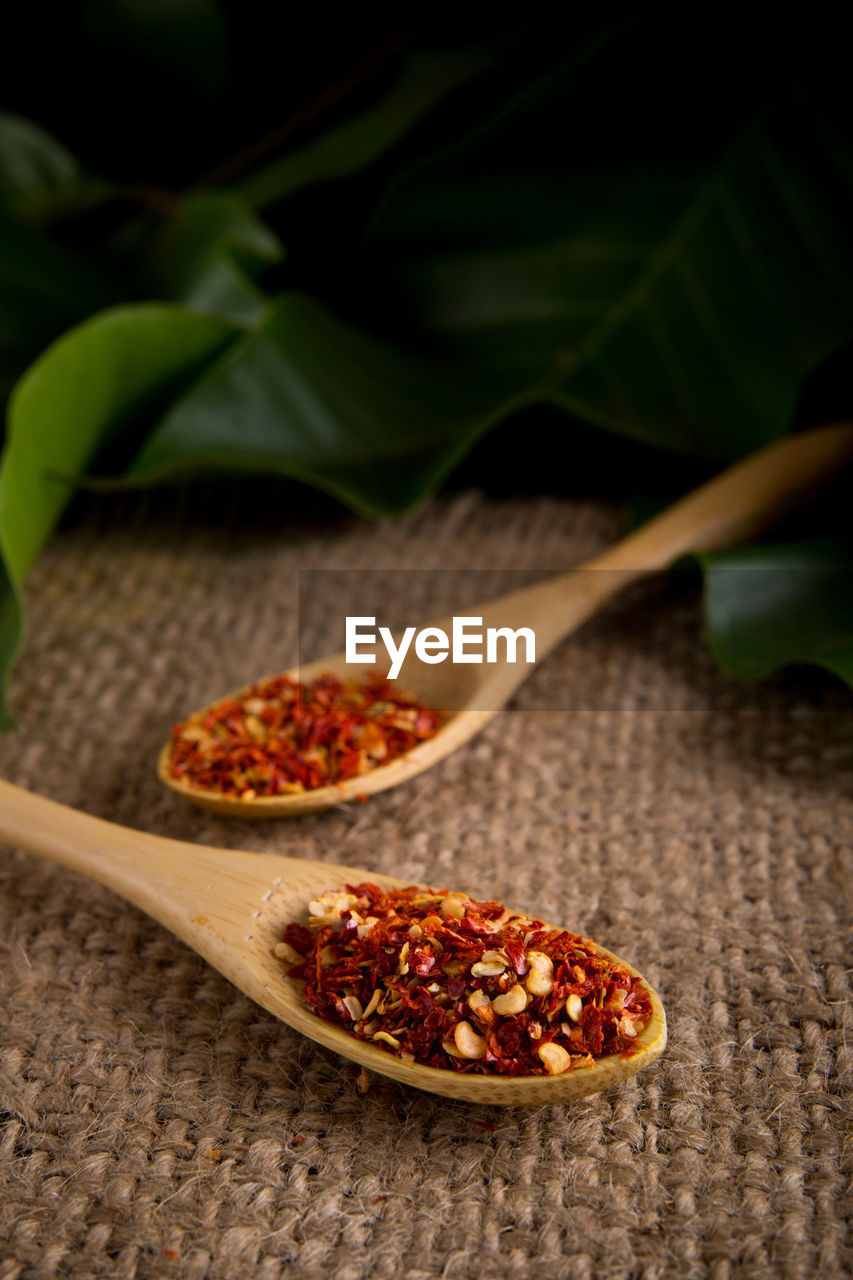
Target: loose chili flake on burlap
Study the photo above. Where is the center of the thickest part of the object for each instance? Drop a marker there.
(281, 736)
(443, 980)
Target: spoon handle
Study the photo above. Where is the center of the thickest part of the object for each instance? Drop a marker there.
(741, 502)
(158, 875)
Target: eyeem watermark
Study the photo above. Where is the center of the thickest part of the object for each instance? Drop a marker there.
(467, 642)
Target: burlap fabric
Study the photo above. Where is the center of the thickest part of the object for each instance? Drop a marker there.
(156, 1123)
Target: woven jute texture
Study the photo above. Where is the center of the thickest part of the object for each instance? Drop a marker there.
(156, 1123)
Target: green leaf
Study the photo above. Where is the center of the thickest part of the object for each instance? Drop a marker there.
(637, 300)
(682, 304)
(87, 387)
(208, 254)
(43, 290)
(36, 172)
(424, 79)
(770, 606)
(309, 396)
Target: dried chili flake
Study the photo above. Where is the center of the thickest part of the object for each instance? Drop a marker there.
(281, 736)
(447, 981)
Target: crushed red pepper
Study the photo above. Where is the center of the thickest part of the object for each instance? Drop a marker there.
(282, 737)
(443, 980)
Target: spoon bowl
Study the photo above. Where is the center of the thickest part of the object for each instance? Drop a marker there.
(735, 506)
(232, 907)
(456, 730)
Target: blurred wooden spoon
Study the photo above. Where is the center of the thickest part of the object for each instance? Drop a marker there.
(733, 507)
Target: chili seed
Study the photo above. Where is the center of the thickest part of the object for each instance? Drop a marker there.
(469, 1044)
(574, 1007)
(555, 1058)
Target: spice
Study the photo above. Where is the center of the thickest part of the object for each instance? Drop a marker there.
(441, 979)
(281, 736)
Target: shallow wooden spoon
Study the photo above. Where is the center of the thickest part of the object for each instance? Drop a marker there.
(232, 907)
(733, 507)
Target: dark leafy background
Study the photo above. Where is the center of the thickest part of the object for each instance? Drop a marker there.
(231, 243)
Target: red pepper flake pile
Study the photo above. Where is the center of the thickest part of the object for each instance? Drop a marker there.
(281, 736)
(440, 979)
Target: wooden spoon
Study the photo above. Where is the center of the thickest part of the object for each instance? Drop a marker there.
(232, 908)
(734, 507)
